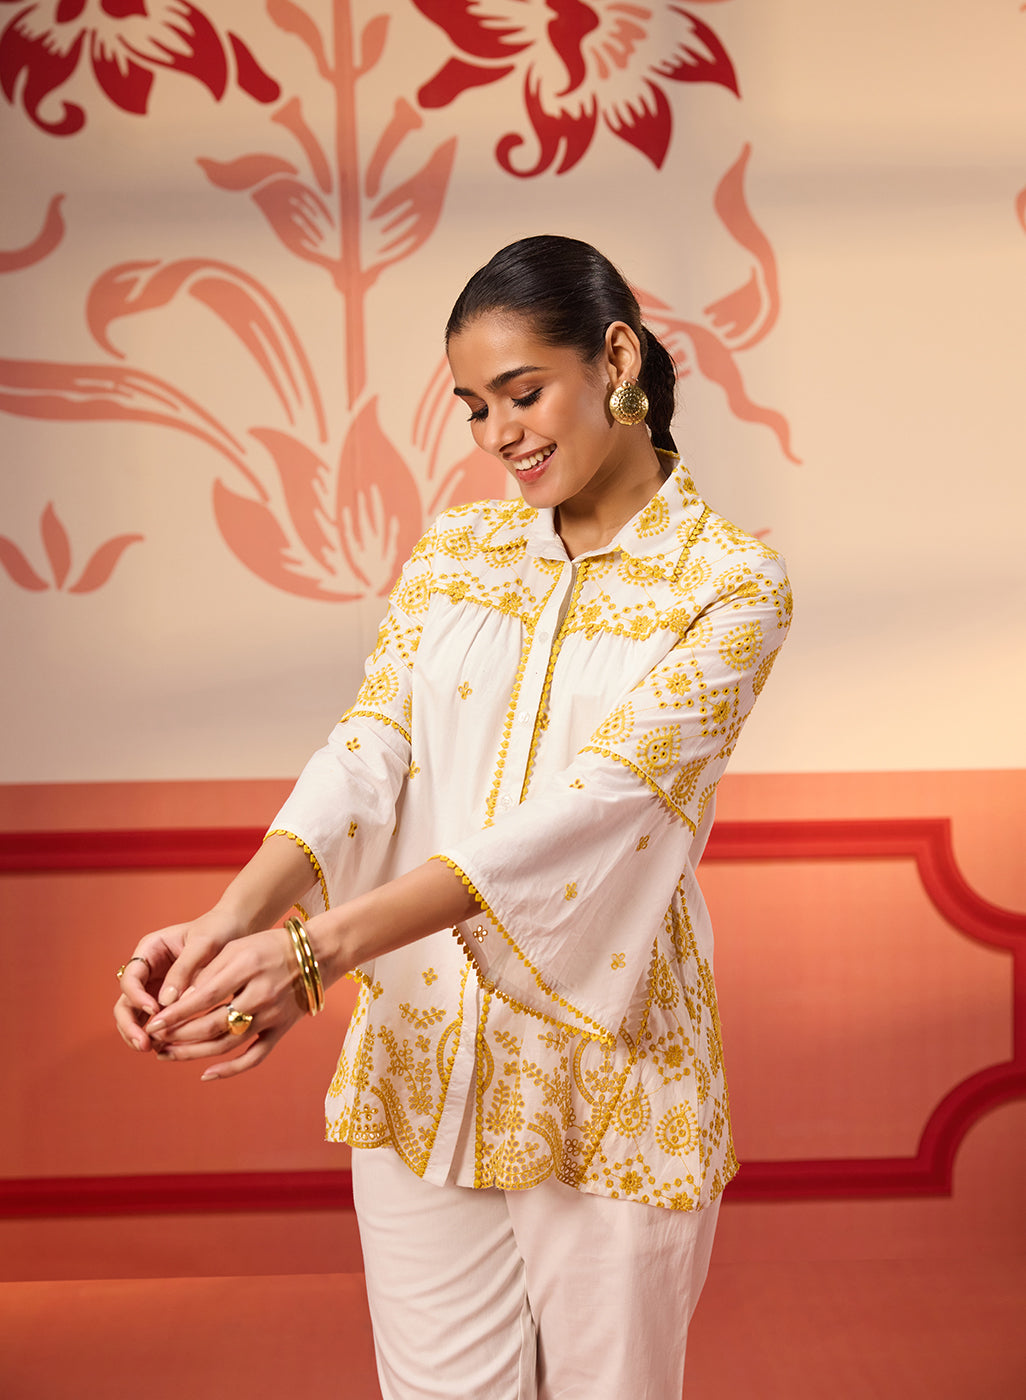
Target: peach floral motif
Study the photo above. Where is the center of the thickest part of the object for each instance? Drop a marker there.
(733, 323)
(45, 241)
(57, 548)
(127, 41)
(577, 61)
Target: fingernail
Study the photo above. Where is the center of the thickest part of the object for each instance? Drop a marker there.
(167, 995)
(210, 1074)
(157, 1026)
(138, 1044)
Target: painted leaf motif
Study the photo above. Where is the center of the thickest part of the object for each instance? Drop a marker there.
(372, 43)
(749, 313)
(290, 116)
(42, 245)
(252, 78)
(716, 362)
(245, 172)
(238, 300)
(19, 568)
(255, 537)
(303, 477)
(295, 21)
(700, 59)
(405, 218)
(378, 510)
(301, 220)
(57, 545)
(476, 477)
(102, 564)
(104, 393)
(404, 120)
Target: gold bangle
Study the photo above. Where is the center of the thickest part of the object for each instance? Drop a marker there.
(308, 968)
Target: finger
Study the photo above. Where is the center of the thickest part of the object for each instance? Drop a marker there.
(195, 1001)
(137, 973)
(182, 972)
(210, 1027)
(125, 1019)
(257, 1052)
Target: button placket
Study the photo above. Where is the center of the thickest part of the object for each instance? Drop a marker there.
(532, 686)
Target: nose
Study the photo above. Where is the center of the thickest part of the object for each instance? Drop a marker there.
(501, 430)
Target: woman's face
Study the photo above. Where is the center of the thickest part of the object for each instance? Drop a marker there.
(538, 408)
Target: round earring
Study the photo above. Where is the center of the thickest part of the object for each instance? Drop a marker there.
(628, 403)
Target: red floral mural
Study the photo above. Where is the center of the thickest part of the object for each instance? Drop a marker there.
(319, 500)
(125, 43)
(576, 62)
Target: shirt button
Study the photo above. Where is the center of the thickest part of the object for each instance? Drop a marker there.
(543, 636)
(523, 717)
(506, 800)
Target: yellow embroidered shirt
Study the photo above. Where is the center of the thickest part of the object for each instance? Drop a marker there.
(555, 731)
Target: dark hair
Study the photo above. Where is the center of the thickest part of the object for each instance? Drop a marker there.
(572, 295)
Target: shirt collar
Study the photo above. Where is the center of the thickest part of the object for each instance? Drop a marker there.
(657, 534)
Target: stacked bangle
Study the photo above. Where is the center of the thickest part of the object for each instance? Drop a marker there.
(310, 972)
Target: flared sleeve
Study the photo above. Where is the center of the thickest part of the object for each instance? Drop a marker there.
(344, 807)
(575, 883)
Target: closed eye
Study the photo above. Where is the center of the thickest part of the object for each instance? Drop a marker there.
(480, 414)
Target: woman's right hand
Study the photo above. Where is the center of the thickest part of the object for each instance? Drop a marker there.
(163, 965)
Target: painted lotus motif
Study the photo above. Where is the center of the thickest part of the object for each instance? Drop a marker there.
(577, 62)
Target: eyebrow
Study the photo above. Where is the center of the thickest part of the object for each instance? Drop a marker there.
(494, 385)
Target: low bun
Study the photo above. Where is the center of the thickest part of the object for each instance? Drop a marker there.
(658, 378)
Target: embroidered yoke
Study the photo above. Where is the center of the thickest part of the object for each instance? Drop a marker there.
(554, 730)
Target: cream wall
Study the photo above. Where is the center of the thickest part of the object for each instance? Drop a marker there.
(887, 151)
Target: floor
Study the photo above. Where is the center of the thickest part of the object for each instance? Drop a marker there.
(798, 1331)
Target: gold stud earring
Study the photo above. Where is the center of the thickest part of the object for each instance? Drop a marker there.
(628, 403)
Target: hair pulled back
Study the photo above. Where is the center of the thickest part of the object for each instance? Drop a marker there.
(571, 295)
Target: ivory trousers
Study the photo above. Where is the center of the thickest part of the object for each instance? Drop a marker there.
(544, 1294)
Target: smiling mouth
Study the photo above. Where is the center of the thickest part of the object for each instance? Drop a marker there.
(527, 464)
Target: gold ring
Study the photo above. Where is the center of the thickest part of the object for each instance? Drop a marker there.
(136, 957)
(238, 1021)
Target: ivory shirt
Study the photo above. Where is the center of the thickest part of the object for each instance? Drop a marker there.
(554, 730)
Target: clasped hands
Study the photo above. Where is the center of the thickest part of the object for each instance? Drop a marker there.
(177, 990)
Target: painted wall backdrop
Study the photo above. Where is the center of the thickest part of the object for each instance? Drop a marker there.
(230, 236)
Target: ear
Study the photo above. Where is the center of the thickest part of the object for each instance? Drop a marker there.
(622, 353)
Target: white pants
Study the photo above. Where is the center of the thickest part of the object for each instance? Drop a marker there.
(545, 1294)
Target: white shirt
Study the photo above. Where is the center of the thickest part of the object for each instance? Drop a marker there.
(554, 730)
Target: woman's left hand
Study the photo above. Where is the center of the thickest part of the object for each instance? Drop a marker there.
(255, 975)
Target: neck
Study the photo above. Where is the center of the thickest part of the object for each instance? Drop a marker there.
(590, 520)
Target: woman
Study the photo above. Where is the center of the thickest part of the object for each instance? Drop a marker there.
(537, 1105)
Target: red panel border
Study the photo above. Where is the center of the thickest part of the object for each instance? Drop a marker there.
(925, 841)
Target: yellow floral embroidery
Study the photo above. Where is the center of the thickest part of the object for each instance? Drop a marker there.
(654, 518)
(677, 1131)
(618, 961)
(379, 688)
(353, 829)
(571, 890)
(616, 727)
(466, 690)
(414, 769)
(742, 645)
(352, 745)
(430, 976)
(659, 751)
(633, 1113)
(642, 843)
(577, 783)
